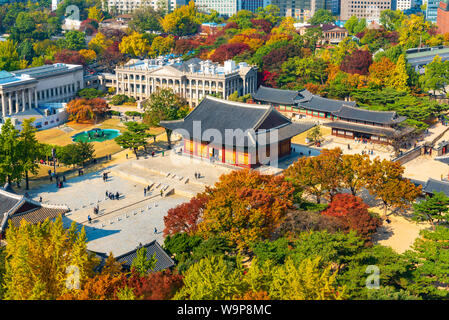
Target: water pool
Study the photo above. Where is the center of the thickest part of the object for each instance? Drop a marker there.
(96, 134)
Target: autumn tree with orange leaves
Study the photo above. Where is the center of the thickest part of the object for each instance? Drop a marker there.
(245, 206)
(384, 180)
(82, 109)
(317, 176)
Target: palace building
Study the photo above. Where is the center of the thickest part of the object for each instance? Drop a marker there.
(234, 133)
(192, 79)
(26, 89)
(344, 117)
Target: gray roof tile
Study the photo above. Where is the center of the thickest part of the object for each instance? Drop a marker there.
(163, 259)
(383, 117)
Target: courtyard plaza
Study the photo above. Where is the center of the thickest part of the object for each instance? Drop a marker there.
(136, 217)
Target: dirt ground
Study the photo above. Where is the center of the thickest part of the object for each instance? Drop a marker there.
(400, 233)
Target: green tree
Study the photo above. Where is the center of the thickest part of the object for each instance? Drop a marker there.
(354, 25)
(315, 135)
(430, 256)
(135, 137)
(436, 76)
(141, 263)
(391, 20)
(269, 13)
(322, 16)
(30, 149)
(164, 105)
(75, 40)
(145, 18)
(434, 209)
(11, 168)
(9, 57)
(85, 150)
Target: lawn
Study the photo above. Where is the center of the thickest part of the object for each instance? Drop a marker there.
(301, 138)
(59, 137)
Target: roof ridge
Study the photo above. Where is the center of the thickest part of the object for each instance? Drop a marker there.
(236, 103)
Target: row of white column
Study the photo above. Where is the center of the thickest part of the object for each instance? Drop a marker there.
(228, 88)
(21, 98)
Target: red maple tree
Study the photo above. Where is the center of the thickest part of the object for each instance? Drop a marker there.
(354, 215)
(185, 217)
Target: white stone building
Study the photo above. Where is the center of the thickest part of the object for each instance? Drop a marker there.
(25, 89)
(128, 6)
(192, 79)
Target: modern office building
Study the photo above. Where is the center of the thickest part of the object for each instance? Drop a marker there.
(432, 10)
(363, 9)
(25, 89)
(192, 79)
(402, 4)
(253, 5)
(301, 9)
(231, 7)
(225, 8)
(443, 17)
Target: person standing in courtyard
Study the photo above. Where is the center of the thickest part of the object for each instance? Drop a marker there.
(144, 192)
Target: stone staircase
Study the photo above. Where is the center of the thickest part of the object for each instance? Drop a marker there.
(167, 182)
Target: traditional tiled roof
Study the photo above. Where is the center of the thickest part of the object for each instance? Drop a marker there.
(383, 117)
(14, 208)
(277, 96)
(379, 131)
(433, 186)
(321, 104)
(236, 123)
(163, 259)
(37, 215)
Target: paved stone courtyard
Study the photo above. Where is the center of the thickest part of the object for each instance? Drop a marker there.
(122, 224)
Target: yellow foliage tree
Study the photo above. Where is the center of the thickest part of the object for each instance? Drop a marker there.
(95, 14)
(308, 281)
(88, 54)
(45, 260)
(182, 21)
(135, 44)
(100, 42)
(162, 45)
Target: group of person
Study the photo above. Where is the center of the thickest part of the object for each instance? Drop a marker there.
(197, 175)
(113, 196)
(96, 209)
(145, 190)
(371, 152)
(105, 176)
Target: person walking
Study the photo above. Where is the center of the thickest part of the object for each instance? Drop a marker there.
(40, 199)
(144, 192)
(155, 230)
(89, 219)
(161, 192)
(117, 195)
